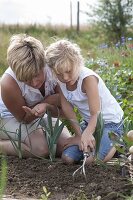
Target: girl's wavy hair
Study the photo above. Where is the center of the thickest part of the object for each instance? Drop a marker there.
(64, 55)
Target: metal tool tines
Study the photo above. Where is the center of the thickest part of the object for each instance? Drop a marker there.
(82, 167)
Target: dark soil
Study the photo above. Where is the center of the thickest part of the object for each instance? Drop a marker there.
(27, 177)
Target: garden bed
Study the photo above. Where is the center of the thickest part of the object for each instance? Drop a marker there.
(27, 177)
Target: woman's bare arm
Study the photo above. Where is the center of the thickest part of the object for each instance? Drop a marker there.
(13, 100)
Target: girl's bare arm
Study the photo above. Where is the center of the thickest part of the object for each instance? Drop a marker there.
(70, 114)
(90, 87)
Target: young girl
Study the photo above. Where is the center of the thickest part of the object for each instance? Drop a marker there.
(27, 82)
(83, 88)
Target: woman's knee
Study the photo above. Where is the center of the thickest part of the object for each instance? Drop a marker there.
(37, 144)
(40, 151)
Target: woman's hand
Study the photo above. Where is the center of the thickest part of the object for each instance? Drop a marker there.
(39, 110)
(87, 141)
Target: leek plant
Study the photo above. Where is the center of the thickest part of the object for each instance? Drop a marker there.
(52, 133)
(16, 144)
(123, 143)
(98, 132)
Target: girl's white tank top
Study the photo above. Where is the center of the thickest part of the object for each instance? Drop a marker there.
(110, 108)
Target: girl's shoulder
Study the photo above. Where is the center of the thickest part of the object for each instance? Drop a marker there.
(50, 77)
(85, 72)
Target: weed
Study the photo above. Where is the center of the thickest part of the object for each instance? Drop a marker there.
(46, 194)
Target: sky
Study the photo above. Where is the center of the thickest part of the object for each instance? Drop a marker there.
(42, 11)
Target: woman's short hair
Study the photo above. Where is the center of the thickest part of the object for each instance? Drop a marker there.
(63, 55)
(25, 56)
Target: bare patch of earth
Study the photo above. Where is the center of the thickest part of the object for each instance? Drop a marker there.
(27, 177)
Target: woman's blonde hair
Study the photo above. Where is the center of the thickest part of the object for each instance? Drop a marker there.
(64, 55)
(25, 56)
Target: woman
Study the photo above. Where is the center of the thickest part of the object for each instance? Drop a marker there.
(27, 82)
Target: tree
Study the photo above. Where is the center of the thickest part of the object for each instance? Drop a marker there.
(114, 16)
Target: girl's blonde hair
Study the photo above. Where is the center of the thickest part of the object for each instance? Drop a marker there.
(64, 55)
(25, 56)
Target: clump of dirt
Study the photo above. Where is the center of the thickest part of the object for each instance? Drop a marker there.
(26, 178)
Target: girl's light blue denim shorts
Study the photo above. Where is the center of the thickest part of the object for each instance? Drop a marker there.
(106, 143)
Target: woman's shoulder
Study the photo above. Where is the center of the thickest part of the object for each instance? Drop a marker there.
(9, 80)
(8, 73)
(9, 86)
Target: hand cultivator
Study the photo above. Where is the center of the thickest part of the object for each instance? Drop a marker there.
(82, 167)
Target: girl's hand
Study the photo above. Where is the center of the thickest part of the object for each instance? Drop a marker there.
(39, 110)
(87, 141)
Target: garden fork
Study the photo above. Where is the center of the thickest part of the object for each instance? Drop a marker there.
(82, 167)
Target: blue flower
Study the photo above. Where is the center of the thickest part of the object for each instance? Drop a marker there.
(123, 39)
(117, 45)
(129, 39)
(103, 46)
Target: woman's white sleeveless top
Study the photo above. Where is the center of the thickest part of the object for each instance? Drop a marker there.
(32, 96)
(110, 108)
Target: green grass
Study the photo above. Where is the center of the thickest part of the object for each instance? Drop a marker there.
(119, 60)
(46, 34)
